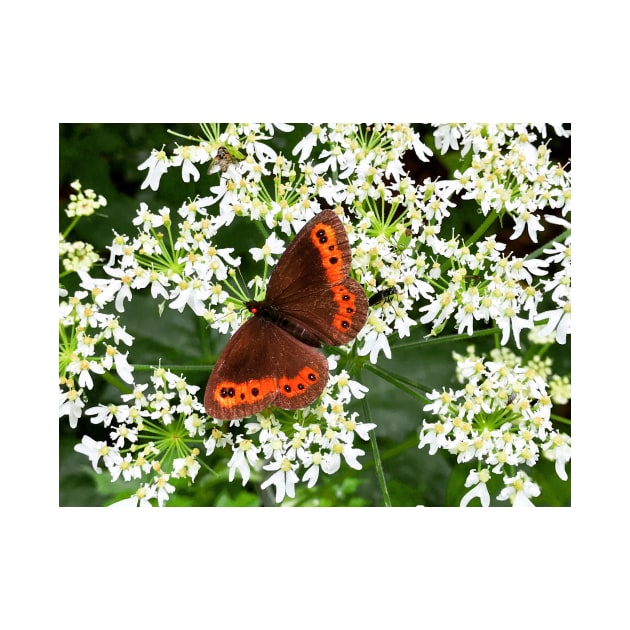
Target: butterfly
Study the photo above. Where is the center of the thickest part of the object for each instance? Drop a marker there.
(272, 359)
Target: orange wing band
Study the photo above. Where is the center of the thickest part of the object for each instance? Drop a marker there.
(299, 384)
(229, 394)
(346, 308)
(325, 240)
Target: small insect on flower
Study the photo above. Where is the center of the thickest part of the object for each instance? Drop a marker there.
(382, 296)
(222, 161)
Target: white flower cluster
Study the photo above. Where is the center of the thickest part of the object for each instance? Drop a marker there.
(89, 344)
(153, 423)
(76, 256)
(147, 436)
(85, 202)
(396, 228)
(499, 419)
(509, 173)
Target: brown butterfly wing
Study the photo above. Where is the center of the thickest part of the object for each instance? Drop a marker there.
(310, 285)
(263, 365)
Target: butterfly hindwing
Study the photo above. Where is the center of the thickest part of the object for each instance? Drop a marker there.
(263, 365)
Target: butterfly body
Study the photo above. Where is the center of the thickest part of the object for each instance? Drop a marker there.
(272, 314)
(272, 359)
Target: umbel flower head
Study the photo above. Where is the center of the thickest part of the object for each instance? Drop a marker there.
(500, 419)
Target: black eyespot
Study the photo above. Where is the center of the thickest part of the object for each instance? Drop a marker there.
(312, 377)
(227, 392)
(255, 391)
(242, 396)
(345, 324)
(345, 297)
(349, 310)
(323, 239)
(320, 233)
(287, 388)
(333, 260)
(300, 386)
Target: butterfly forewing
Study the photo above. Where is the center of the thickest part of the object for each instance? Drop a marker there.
(311, 286)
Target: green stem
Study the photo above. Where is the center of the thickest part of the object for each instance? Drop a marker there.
(184, 137)
(482, 229)
(412, 442)
(559, 239)
(445, 339)
(117, 383)
(377, 457)
(70, 227)
(560, 419)
(401, 382)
